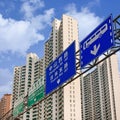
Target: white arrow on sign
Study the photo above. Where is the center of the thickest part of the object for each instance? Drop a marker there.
(58, 81)
(95, 49)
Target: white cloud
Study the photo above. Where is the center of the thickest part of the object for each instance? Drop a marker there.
(30, 6)
(18, 36)
(87, 20)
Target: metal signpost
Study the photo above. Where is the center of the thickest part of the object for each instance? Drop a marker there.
(62, 69)
(97, 42)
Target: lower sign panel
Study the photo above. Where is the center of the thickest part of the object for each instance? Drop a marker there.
(36, 96)
(18, 109)
(62, 69)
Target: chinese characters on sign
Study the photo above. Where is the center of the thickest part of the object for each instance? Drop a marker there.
(62, 69)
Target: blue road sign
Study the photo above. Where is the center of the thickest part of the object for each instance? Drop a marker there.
(97, 42)
(62, 69)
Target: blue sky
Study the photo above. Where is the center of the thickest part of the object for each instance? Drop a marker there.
(25, 25)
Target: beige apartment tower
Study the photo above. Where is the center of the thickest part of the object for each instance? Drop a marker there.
(100, 91)
(65, 104)
(24, 77)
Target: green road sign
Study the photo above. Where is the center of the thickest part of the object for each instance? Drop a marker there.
(36, 95)
(18, 109)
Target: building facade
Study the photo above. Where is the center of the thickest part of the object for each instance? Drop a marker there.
(5, 104)
(64, 104)
(24, 78)
(100, 92)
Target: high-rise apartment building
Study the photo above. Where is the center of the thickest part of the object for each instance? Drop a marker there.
(24, 78)
(64, 104)
(100, 92)
(5, 104)
(15, 91)
(18, 83)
